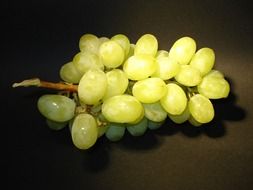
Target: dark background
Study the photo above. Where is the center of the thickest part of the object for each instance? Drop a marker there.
(40, 36)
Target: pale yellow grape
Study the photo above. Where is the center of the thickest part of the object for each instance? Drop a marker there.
(183, 50)
(140, 67)
(57, 108)
(215, 73)
(85, 61)
(122, 109)
(84, 131)
(162, 53)
(146, 44)
(89, 42)
(155, 112)
(167, 68)
(181, 118)
(203, 60)
(117, 83)
(92, 87)
(175, 100)
(139, 118)
(123, 41)
(111, 54)
(149, 90)
(103, 39)
(188, 76)
(201, 108)
(131, 51)
(193, 122)
(69, 73)
(214, 87)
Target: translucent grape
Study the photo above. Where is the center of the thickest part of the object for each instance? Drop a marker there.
(215, 74)
(92, 87)
(139, 67)
(117, 83)
(84, 61)
(203, 60)
(146, 44)
(131, 51)
(154, 125)
(102, 130)
(84, 131)
(181, 118)
(201, 108)
(214, 87)
(155, 112)
(89, 42)
(193, 122)
(149, 90)
(122, 109)
(56, 125)
(174, 101)
(188, 76)
(112, 54)
(123, 41)
(162, 53)
(115, 131)
(139, 128)
(183, 50)
(167, 68)
(56, 107)
(103, 39)
(69, 73)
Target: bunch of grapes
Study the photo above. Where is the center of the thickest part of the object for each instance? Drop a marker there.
(117, 86)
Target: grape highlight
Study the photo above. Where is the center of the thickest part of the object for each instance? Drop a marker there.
(113, 86)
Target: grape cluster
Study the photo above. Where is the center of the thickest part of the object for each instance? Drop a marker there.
(122, 86)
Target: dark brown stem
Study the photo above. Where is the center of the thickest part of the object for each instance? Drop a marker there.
(45, 84)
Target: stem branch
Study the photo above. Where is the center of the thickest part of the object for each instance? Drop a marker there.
(45, 84)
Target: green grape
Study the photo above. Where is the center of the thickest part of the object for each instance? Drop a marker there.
(69, 73)
(139, 128)
(131, 51)
(103, 39)
(174, 101)
(201, 108)
(155, 112)
(139, 118)
(181, 118)
(152, 125)
(56, 107)
(203, 60)
(84, 61)
(146, 44)
(111, 54)
(149, 90)
(56, 125)
(167, 68)
(84, 131)
(162, 53)
(117, 83)
(214, 87)
(102, 130)
(115, 131)
(183, 50)
(140, 67)
(92, 87)
(188, 76)
(89, 42)
(122, 109)
(123, 41)
(193, 122)
(215, 74)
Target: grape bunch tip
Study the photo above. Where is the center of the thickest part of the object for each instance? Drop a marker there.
(112, 86)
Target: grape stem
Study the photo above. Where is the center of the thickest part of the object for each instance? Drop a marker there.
(45, 84)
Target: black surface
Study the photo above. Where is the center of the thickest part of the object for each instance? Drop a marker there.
(43, 35)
